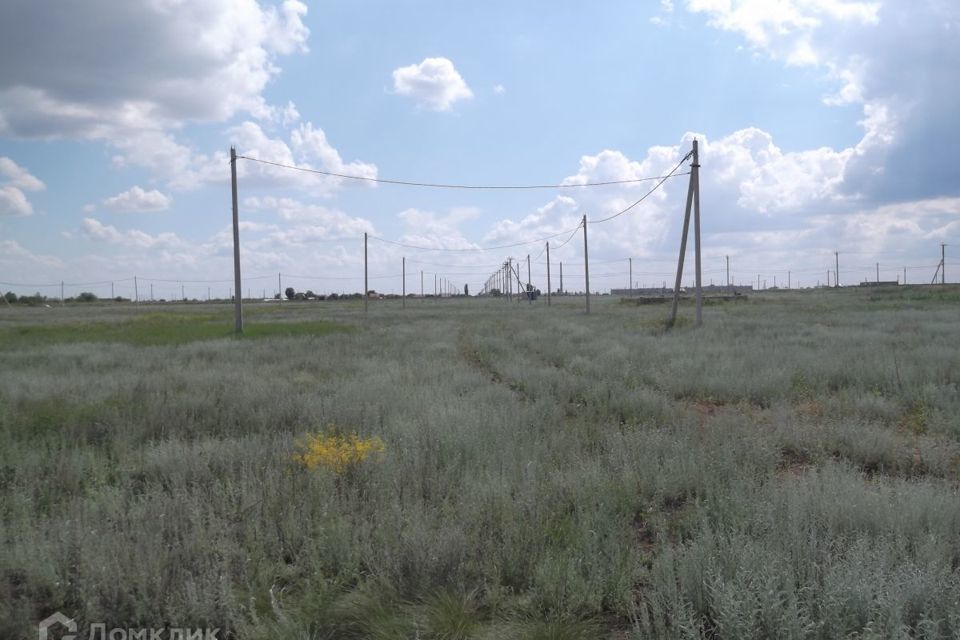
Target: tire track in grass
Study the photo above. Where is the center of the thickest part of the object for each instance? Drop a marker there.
(476, 360)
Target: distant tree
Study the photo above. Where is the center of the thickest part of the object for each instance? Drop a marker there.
(86, 296)
(10, 296)
(466, 289)
(290, 292)
(309, 295)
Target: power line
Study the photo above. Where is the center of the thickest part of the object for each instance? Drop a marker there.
(441, 185)
(648, 193)
(473, 249)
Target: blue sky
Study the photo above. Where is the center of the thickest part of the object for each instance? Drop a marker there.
(824, 125)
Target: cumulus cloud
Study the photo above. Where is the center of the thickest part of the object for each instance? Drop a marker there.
(96, 230)
(434, 83)
(137, 200)
(14, 180)
(16, 259)
(180, 62)
(308, 148)
(894, 59)
(311, 222)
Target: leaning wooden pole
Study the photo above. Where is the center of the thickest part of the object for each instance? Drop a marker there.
(683, 251)
(237, 302)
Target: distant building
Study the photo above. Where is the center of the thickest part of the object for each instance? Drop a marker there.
(880, 283)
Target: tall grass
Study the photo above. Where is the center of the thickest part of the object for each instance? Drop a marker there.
(790, 470)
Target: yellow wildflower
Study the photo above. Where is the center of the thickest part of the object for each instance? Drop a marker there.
(336, 451)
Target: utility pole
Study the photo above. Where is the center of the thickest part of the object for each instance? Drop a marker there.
(836, 272)
(683, 241)
(529, 279)
(111, 291)
(510, 279)
(789, 281)
(61, 293)
(630, 288)
(695, 179)
(403, 305)
(943, 263)
(434, 285)
(548, 273)
(279, 288)
(421, 284)
(561, 277)
(878, 273)
(183, 296)
(904, 275)
(586, 262)
(728, 271)
(136, 290)
(366, 275)
(151, 292)
(758, 282)
(237, 303)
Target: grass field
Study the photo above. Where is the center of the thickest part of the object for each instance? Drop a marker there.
(790, 470)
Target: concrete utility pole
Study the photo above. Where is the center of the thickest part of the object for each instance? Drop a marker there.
(561, 277)
(421, 284)
(61, 293)
(943, 263)
(434, 285)
(904, 275)
(789, 281)
(586, 262)
(279, 284)
(237, 304)
(836, 272)
(151, 292)
(630, 287)
(695, 179)
(366, 285)
(404, 278)
(683, 240)
(728, 271)
(548, 274)
(878, 273)
(529, 278)
(136, 290)
(510, 279)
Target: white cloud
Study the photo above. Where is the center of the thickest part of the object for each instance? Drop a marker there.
(434, 83)
(894, 59)
(137, 200)
(180, 62)
(499, 89)
(16, 259)
(311, 222)
(14, 180)
(133, 238)
(308, 149)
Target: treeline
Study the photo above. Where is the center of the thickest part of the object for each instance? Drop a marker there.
(38, 298)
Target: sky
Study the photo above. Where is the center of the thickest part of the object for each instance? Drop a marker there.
(823, 126)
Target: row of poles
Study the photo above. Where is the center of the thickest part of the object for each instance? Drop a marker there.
(693, 200)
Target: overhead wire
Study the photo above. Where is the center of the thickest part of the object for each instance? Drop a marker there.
(441, 185)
